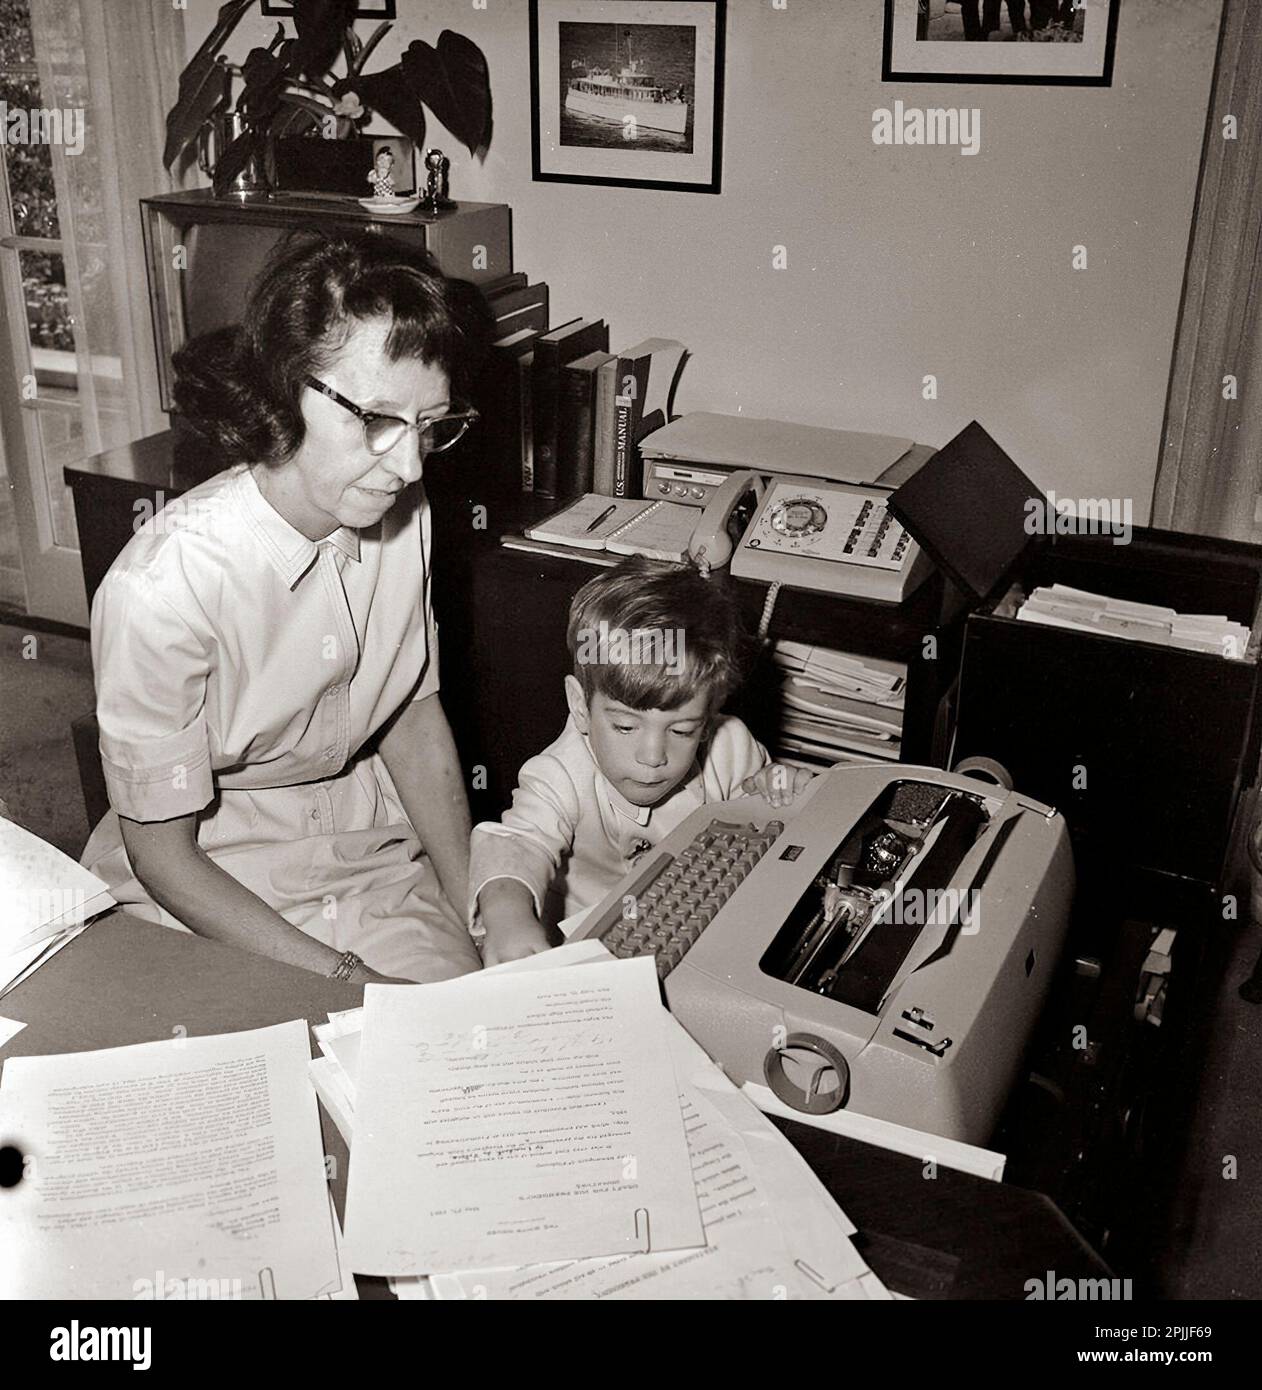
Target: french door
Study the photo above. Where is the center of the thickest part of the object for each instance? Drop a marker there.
(61, 389)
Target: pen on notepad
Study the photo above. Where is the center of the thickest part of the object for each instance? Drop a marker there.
(609, 511)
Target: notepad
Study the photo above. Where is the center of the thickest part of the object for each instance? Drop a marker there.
(622, 526)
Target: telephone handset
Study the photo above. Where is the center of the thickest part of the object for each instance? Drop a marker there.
(726, 518)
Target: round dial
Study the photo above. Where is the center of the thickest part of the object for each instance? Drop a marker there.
(798, 516)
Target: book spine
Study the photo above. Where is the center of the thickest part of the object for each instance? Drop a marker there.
(527, 421)
(584, 431)
(606, 392)
(632, 383)
(546, 391)
(573, 461)
(622, 445)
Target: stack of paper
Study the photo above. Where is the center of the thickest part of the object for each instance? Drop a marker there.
(46, 899)
(1061, 606)
(189, 1169)
(836, 707)
(768, 1228)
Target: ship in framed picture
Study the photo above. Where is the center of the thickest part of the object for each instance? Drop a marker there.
(1042, 41)
(628, 92)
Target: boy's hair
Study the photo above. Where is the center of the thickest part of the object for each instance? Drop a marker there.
(690, 636)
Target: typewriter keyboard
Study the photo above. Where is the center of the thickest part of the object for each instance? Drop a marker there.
(674, 899)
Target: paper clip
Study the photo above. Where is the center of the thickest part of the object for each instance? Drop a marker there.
(814, 1276)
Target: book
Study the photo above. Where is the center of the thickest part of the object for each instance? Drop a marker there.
(503, 397)
(606, 396)
(621, 526)
(513, 280)
(552, 352)
(576, 427)
(526, 378)
(518, 307)
(645, 381)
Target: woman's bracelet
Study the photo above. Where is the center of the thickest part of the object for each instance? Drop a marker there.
(347, 964)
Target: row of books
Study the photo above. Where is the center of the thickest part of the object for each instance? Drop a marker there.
(563, 412)
(837, 708)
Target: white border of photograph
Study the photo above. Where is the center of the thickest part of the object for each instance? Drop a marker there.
(1089, 63)
(695, 172)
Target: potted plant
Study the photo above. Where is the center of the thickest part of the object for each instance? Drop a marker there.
(290, 88)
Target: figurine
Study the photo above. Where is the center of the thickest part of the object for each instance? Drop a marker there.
(380, 175)
(437, 164)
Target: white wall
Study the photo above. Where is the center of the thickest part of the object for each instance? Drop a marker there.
(901, 261)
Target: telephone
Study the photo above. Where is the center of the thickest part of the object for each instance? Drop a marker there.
(811, 533)
(725, 518)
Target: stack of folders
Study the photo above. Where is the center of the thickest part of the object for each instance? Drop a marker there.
(838, 708)
(46, 900)
(546, 1130)
(1060, 606)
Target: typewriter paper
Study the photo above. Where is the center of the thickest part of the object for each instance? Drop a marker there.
(772, 1231)
(165, 1162)
(504, 1119)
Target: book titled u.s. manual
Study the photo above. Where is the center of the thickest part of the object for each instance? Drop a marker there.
(620, 525)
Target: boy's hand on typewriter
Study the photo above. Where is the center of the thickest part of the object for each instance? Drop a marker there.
(512, 940)
(778, 783)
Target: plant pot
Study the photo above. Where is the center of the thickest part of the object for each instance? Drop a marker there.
(241, 182)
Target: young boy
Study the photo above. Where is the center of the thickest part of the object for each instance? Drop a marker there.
(656, 651)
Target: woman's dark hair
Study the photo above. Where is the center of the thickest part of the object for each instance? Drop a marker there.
(241, 387)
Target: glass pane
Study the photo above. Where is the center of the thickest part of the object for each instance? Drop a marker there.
(29, 165)
(48, 322)
(15, 33)
(56, 403)
(61, 443)
(12, 589)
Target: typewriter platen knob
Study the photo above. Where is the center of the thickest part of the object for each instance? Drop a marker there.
(808, 1074)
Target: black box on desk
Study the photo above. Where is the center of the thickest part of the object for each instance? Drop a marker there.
(1144, 748)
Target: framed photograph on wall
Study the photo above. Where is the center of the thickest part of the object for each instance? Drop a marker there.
(1044, 42)
(366, 9)
(628, 92)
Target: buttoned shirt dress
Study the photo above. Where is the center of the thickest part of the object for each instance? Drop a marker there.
(241, 672)
(570, 835)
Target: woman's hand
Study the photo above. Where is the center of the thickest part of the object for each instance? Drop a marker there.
(366, 975)
(778, 783)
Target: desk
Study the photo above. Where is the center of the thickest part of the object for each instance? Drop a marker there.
(127, 981)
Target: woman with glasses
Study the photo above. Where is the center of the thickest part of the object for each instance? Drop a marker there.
(282, 775)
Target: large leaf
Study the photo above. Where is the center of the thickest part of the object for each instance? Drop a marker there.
(454, 82)
(265, 76)
(298, 115)
(321, 26)
(391, 95)
(203, 84)
(362, 54)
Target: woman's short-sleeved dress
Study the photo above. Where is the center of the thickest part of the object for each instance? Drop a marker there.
(241, 669)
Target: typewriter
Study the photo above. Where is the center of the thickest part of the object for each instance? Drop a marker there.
(884, 943)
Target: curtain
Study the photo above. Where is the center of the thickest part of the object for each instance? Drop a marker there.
(120, 63)
(1209, 477)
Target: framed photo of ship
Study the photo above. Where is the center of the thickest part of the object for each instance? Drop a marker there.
(1047, 42)
(628, 92)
